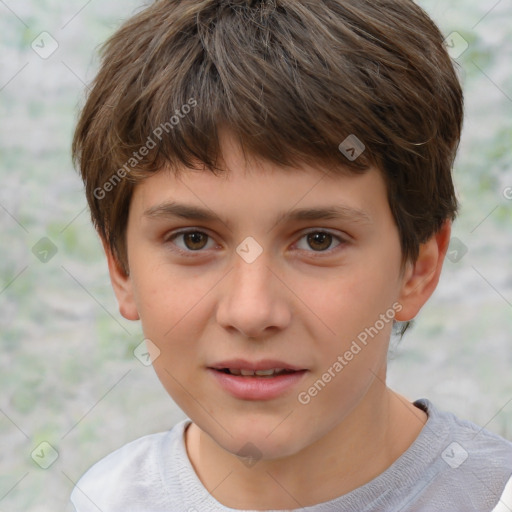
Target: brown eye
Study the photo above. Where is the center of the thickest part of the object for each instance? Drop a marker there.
(189, 242)
(319, 240)
(195, 240)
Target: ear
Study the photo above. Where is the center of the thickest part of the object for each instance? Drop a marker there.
(421, 277)
(122, 284)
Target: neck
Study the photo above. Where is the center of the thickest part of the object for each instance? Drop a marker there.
(357, 450)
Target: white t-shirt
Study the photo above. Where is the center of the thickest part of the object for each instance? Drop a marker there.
(453, 466)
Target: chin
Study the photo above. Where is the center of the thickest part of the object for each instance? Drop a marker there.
(261, 438)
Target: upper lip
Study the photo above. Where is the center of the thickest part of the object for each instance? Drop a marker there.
(266, 364)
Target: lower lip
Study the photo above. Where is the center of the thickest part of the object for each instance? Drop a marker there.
(257, 388)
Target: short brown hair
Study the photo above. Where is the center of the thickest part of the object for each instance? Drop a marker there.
(292, 79)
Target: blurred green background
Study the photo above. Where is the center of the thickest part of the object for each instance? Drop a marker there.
(68, 375)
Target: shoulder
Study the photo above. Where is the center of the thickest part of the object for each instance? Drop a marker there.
(471, 462)
(477, 446)
(470, 442)
(123, 472)
(127, 476)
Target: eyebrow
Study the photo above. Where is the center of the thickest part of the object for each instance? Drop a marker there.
(190, 212)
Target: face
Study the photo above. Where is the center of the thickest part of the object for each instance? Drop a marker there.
(284, 268)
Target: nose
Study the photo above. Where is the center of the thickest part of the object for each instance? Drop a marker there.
(254, 301)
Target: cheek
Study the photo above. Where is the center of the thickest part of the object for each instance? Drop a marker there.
(351, 353)
(353, 318)
(347, 303)
(172, 320)
(163, 296)
(173, 310)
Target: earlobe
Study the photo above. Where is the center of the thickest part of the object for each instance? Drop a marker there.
(421, 277)
(122, 285)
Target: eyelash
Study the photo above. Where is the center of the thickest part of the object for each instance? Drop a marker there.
(189, 253)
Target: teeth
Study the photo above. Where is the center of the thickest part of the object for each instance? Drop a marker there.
(268, 372)
(251, 373)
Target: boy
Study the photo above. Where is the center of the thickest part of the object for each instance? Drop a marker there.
(223, 144)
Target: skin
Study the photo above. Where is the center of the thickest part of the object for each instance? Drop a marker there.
(303, 303)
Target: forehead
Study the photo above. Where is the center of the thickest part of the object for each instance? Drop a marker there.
(257, 189)
(269, 197)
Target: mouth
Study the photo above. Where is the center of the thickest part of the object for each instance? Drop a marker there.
(257, 386)
(263, 368)
(263, 380)
(272, 372)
